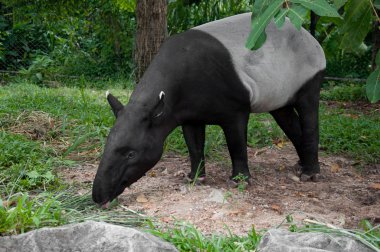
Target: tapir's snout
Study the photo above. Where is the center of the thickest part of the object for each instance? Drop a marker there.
(99, 194)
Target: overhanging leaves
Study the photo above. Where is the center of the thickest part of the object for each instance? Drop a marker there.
(373, 86)
(377, 4)
(297, 15)
(356, 25)
(259, 7)
(279, 19)
(320, 7)
(260, 22)
(339, 3)
(373, 82)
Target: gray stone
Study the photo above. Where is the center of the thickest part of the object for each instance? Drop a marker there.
(278, 240)
(87, 236)
(216, 196)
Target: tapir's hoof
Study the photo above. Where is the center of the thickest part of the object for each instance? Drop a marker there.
(234, 184)
(198, 181)
(297, 169)
(314, 177)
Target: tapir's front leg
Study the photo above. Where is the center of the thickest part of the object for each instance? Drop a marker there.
(235, 130)
(195, 140)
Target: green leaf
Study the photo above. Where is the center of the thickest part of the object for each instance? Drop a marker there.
(259, 23)
(339, 3)
(128, 5)
(279, 19)
(259, 7)
(39, 76)
(377, 4)
(357, 23)
(33, 174)
(49, 176)
(297, 15)
(36, 221)
(373, 86)
(320, 7)
(260, 41)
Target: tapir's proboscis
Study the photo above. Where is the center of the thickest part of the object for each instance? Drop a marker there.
(206, 76)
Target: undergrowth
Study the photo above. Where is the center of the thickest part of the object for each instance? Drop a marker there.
(187, 237)
(24, 211)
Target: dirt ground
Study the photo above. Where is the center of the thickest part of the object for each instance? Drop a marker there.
(342, 197)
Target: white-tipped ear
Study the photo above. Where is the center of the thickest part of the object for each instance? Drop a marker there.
(107, 93)
(161, 95)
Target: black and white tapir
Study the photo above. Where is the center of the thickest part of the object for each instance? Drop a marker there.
(207, 76)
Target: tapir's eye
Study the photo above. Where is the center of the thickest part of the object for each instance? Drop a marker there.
(130, 154)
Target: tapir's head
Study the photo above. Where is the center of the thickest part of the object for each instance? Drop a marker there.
(134, 145)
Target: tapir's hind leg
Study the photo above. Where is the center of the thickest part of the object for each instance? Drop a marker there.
(307, 107)
(236, 136)
(195, 140)
(289, 122)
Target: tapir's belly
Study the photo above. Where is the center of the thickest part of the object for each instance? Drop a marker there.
(274, 73)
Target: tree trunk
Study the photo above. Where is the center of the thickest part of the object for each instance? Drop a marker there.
(151, 32)
(313, 23)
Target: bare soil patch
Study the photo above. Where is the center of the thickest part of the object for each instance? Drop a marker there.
(342, 197)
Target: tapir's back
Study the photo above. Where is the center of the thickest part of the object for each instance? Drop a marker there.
(276, 71)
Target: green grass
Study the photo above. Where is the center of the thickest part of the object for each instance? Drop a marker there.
(22, 212)
(187, 237)
(350, 133)
(339, 92)
(24, 164)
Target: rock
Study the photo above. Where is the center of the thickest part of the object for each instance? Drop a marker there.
(87, 236)
(279, 240)
(184, 189)
(216, 196)
(293, 177)
(141, 199)
(217, 216)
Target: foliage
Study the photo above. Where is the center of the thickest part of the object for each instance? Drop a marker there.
(20, 44)
(94, 38)
(38, 69)
(350, 33)
(356, 24)
(182, 16)
(22, 213)
(345, 64)
(373, 82)
(264, 11)
(346, 92)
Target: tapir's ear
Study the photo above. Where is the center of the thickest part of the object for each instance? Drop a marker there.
(158, 109)
(114, 103)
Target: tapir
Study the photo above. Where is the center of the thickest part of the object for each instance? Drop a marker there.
(206, 76)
